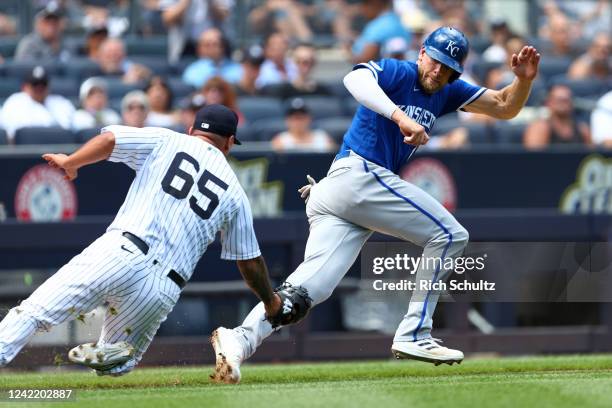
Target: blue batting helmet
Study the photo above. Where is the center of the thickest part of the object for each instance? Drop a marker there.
(448, 46)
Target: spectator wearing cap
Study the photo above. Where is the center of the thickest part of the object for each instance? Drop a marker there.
(94, 112)
(33, 106)
(601, 121)
(305, 59)
(160, 104)
(595, 63)
(277, 67)
(113, 61)
(134, 109)
(383, 24)
(213, 61)
(299, 135)
(561, 126)
(251, 61)
(45, 43)
(187, 110)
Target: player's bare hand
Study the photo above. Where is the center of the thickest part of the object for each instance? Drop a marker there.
(60, 161)
(414, 134)
(525, 64)
(274, 306)
(305, 190)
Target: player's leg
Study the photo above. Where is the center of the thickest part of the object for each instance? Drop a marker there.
(332, 247)
(137, 309)
(401, 209)
(77, 288)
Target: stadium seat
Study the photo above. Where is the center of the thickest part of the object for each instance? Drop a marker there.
(247, 134)
(18, 69)
(8, 45)
(509, 133)
(479, 44)
(336, 126)
(266, 129)
(115, 88)
(84, 135)
(157, 65)
(589, 87)
(322, 106)
(153, 46)
(81, 69)
(338, 89)
(179, 88)
(479, 133)
(256, 108)
(43, 135)
(9, 86)
(68, 87)
(445, 124)
(3, 137)
(553, 66)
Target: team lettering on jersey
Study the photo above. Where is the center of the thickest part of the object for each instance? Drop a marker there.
(419, 115)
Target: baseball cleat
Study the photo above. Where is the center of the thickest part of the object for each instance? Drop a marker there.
(427, 350)
(101, 356)
(228, 353)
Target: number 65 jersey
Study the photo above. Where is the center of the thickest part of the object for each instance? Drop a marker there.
(184, 192)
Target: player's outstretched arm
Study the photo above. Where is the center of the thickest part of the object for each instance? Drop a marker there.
(506, 103)
(97, 149)
(255, 274)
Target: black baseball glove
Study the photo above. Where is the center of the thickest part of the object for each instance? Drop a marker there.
(295, 304)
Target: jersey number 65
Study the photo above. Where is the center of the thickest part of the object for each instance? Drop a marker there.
(175, 171)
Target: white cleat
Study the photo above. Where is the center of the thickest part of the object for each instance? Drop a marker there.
(101, 356)
(427, 350)
(229, 355)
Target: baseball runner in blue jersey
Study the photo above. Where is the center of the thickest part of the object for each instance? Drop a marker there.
(184, 192)
(362, 192)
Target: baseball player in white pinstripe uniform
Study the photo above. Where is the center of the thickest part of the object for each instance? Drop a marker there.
(184, 192)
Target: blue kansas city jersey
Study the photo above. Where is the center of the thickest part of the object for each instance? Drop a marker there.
(379, 139)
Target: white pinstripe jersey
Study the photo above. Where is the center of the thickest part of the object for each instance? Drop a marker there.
(184, 192)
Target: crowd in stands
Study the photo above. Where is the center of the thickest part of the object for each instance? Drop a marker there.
(90, 63)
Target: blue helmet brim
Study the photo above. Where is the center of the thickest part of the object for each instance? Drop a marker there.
(444, 59)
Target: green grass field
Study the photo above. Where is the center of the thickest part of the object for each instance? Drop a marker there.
(563, 381)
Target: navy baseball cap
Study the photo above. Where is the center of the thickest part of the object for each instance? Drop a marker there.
(217, 119)
(37, 75)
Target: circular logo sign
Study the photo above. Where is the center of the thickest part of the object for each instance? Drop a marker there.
(433, 177)
(44, 195)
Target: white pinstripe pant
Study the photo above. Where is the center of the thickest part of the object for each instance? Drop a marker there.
(112, 271)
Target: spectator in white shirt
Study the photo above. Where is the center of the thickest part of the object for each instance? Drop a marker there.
(33, 106)
(94, 112)
(601, 121)
(277, 67)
